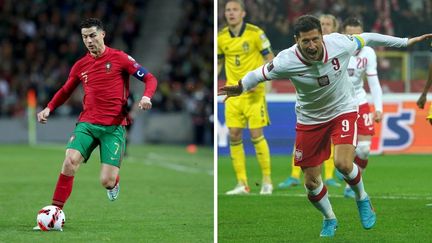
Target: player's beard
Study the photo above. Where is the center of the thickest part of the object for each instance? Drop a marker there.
(312, 54)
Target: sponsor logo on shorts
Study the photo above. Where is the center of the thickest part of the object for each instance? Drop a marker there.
(298, 155)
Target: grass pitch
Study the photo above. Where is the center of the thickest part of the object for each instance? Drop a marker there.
(399, 187)
(166, 195)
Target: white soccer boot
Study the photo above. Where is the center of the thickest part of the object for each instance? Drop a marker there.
(266, 189)
(238, 190)
(113, 193)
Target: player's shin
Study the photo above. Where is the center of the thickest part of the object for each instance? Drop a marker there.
(239, 161)
(319, 198)
(354, 179)
(62, 190)
(263, 155)
(362, 154)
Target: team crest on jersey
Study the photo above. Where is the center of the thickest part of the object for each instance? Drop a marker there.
(298, 155)
(270, 66)
(351, 72)
(245, 46)
(323, 80)
(108, 67)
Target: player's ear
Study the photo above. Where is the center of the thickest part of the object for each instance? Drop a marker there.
(295, 38)
(243, 14)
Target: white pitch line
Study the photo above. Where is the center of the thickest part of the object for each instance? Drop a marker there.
(396, 197)
(161, 162)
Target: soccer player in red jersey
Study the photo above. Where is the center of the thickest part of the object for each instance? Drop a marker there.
(104, 74)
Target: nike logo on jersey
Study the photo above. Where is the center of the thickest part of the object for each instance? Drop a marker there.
(345, 135)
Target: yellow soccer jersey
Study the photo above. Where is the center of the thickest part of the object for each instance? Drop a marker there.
(429, 117)
(243, 53)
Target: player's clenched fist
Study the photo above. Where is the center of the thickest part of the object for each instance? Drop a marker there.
(145, 103)
(232, 90)
(43, 115)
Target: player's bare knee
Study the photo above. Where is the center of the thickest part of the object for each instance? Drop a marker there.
(108, 181)
(70, 165)
(312, 183)
(235, 137)
(256, 133)
(343, 166)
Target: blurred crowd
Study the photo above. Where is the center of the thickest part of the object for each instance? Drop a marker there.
(392, 17)
(187, 80)
(40, 41)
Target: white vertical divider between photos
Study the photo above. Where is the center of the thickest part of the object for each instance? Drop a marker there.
(215, 153)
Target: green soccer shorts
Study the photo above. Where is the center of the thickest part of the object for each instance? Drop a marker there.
(111, 140)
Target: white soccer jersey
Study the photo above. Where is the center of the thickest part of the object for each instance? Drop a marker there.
(365, 62)
(322, 87)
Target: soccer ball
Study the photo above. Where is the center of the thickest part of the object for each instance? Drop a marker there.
(51, 218)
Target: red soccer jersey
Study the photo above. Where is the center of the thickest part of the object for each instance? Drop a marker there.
(105, 81)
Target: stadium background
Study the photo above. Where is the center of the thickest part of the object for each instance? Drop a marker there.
(40, 40)
(402, 72)
(167, 187)
(398, 175)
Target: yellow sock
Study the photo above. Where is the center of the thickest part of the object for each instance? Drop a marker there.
(263, 156)
(329, 167)
(296, 170)
(239, 161)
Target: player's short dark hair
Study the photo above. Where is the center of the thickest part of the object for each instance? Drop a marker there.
(306, 23)
(355, 22)
(242, 5)
(92, 22)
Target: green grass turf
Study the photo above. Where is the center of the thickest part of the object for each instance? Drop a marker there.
(166, 196)
(399, 186)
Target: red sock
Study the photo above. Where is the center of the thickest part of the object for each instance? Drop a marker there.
(63, 190)
(362, 163)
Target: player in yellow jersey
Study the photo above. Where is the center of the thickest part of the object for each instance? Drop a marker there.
(242, 47)
(422, 99)
(329, 24)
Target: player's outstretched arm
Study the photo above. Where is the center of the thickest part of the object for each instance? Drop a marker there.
(375, 39)
(248, 82)
(231, 90)
(43, 115)
(414, 40)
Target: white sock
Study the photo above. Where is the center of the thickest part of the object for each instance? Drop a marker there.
(358, 187)
(319, 198)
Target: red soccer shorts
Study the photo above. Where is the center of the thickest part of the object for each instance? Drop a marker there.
(313, 141)
(365, 121)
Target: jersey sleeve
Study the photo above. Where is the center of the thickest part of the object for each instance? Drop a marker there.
(278, 68)
(66, 90)
(371, 66)
(128, 63)
(220, 53)
(263, 43)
